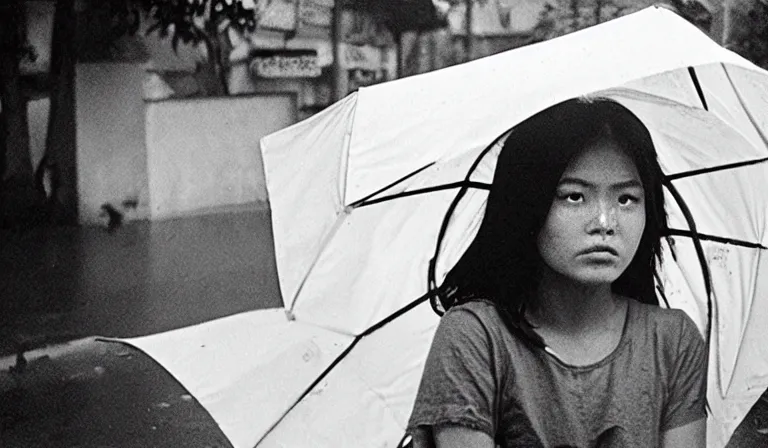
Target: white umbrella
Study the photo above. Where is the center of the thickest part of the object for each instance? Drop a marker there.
(374, 200)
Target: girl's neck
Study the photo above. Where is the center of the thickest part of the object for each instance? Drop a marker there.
(563, 305)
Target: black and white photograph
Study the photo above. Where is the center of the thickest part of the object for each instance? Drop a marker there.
(383, 223)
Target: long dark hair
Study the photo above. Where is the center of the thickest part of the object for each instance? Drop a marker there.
(502, 263)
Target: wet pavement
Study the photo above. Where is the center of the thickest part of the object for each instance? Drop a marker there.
(66, 283)
(100, 395)
(58, 286)
(61, 287)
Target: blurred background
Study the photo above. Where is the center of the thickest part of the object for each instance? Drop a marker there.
(155, 107)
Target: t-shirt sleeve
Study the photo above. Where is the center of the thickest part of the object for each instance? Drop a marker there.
(458, 385)
(687, 390)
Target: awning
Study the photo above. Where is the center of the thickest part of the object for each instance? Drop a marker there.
(402, 15)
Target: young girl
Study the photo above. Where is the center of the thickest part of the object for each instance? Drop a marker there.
(553, 336)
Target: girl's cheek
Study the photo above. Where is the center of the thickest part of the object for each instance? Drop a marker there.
(566, 215)
(634, 220)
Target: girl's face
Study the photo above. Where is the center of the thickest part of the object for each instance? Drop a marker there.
(597, 217)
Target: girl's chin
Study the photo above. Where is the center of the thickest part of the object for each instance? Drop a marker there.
(596, 277)
(592, 275)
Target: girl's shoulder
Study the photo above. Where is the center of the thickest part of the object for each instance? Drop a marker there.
(470, 319)
(479, 311)
(665, 317)
(481, 318)
(474, 305)
(665, 324)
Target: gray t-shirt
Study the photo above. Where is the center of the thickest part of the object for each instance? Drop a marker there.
(480, 376)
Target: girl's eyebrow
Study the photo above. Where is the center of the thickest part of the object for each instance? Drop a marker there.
(630, 183)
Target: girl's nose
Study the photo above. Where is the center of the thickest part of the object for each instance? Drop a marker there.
(605, 223)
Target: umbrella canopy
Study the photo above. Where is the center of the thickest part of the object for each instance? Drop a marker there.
(374, 200)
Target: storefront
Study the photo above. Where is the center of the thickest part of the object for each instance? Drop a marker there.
(294, 50)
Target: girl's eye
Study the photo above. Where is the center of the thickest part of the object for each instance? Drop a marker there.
(574, 197)
(627, 199)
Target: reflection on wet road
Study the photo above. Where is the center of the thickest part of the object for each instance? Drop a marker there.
(59, 285)
(143, 279)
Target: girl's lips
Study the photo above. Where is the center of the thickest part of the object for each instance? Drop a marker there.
(599, 250)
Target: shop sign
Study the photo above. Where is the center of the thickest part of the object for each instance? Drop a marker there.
(316, 13)
(323, 3)
(285, 64)
(278, 15)
(361, 57)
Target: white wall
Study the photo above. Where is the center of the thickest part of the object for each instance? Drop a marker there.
(111, 150)
(38, 128)
(203, 154)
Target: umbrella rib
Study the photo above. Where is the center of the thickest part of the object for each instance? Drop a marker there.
(467, 184)
(715, 238)
(395, 315)
(341, 357)
(699, 250)
(699, 90)
(751, 120)
(744, 105)
(306, 392)
(713, 169)
(431, 274)
(336, 226)
(364, 200)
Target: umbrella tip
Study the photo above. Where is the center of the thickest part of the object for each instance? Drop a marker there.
(289, 315)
